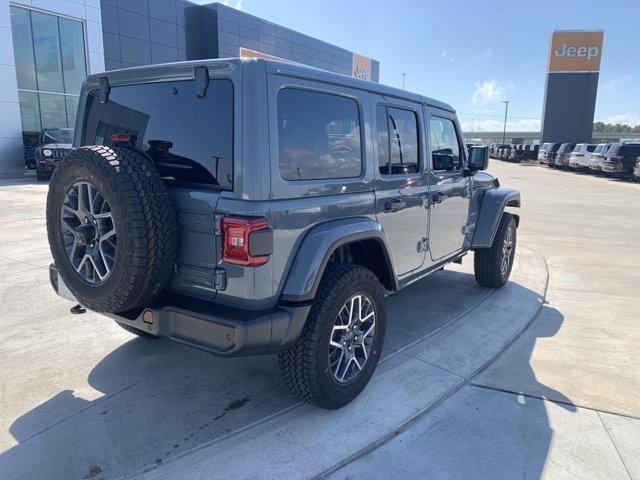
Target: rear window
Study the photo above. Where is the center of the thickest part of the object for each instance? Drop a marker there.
(318, 135)
(598, 149)
(632, 150)
(578, 148)
(190, 139)
(565, 147)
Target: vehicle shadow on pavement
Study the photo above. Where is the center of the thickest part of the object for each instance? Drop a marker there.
(151, 400)
(484, 430)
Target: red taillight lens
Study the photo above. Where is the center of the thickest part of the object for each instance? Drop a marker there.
(236, 233)
(120, 137)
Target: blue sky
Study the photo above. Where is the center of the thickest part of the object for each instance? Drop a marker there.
(472, 54)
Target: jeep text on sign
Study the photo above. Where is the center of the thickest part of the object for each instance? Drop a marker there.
(578, 51)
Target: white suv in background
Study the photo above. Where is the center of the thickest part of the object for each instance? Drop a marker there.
(581, 154)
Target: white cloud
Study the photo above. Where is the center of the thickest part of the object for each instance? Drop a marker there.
(612, 84)
(485, 54)
(632, 119)
(496, 125)
(444, 55)
(490, 91)
(237, 5)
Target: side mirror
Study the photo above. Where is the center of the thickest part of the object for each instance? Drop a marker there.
(478, 158)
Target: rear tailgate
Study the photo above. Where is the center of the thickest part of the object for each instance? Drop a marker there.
(187, 131)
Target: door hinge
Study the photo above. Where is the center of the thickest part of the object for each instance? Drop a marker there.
(423, 245)
(219, 278)
(217, 229)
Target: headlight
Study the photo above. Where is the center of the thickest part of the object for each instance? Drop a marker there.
(46, 152)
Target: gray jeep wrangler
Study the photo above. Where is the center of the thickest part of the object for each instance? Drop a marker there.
(251, 207)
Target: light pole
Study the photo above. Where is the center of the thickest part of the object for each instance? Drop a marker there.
(403, 77)
(504, 130)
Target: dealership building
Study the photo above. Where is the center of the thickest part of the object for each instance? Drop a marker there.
(49, 46)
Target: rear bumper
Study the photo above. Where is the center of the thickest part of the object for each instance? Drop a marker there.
(218, 329)
(613, 168)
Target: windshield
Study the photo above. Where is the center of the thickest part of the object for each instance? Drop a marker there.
(613, 149)
(55, 135)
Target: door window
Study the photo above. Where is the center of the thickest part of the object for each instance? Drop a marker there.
(397, 136)
(445, 146)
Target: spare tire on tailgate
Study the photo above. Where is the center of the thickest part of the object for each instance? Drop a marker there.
(112, 228)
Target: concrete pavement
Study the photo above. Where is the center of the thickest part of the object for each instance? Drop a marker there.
(81, 397)
(563, 400)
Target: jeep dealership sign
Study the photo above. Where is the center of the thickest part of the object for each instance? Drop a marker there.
(575, 51)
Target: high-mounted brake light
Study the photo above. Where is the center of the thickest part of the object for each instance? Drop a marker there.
(237, 241)
(120, 137)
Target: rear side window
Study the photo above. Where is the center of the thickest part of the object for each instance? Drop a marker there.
(445, 147)
(318, 136)
(397, 135)
(591, 148)
(190, 139)
(630, 150)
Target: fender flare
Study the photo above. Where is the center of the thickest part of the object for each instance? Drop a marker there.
(492, 206)
(316, 249)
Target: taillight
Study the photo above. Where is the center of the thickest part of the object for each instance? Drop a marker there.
(237, 238)
(120, 137)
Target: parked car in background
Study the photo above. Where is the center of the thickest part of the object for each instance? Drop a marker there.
(497, 149)
(597, 157)
(621, 158)
(53, 146)
(530, 152)
(506, 151)
(581, 156)
(547, 153)
(515, 152)
(563, 154)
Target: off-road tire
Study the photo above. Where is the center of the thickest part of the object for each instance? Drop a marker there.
(144, 219)
(139, 333)
(305, 365)
(487, 261)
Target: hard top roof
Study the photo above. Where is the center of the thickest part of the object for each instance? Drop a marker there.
(282, 67)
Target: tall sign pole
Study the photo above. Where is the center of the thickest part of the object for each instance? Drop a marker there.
(504, 129)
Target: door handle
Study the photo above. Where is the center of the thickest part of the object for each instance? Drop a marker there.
(438, 197)
(394, 205)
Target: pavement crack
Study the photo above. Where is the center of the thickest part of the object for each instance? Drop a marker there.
(614, 444)
(547, 399)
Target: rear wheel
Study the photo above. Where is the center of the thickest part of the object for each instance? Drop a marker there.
(492, 266)
(340, 345)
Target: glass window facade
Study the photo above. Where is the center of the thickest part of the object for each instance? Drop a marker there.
(51, 64)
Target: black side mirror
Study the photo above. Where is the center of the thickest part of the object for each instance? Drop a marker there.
(478, 158)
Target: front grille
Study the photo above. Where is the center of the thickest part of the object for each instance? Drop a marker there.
(59, 153)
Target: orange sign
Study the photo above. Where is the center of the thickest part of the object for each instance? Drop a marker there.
(361, 67)
(578, 51)
(246, 53)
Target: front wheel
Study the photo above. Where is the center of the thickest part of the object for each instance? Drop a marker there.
(493, 265)
(340, 345)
